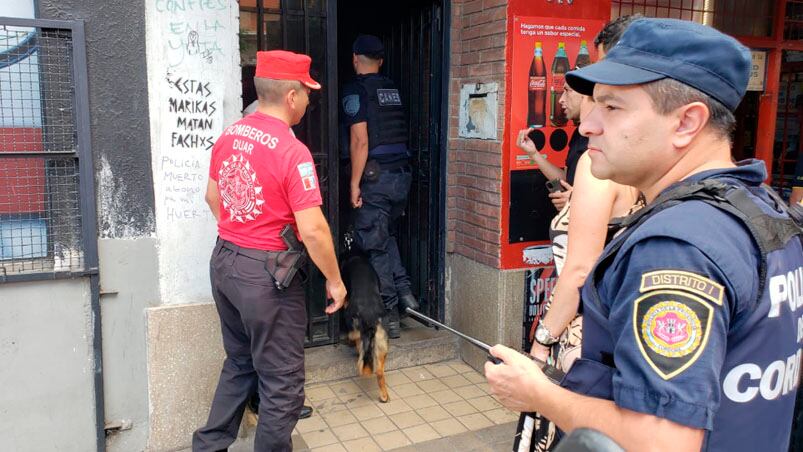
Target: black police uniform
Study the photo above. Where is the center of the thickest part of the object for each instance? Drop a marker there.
(373, 98)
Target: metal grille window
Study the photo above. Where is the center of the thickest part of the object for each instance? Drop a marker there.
(735, 17)
(793, 20)
(42, 227)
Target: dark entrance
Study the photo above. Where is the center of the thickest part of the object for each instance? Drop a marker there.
(413, 36)
(413, 33)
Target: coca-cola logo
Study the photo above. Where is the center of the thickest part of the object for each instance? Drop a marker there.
(557, 83)
(538, 83)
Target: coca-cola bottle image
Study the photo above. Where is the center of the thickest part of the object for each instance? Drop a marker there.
(583, 58)
(560, 66)
(536, 90)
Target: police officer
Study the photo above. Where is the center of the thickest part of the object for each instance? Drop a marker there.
(261, 179)
(690, 330)
(376, 159)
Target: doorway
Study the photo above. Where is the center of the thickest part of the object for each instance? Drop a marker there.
(412, 33)
(415, 35)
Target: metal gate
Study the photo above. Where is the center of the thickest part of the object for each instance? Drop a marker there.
(415, 55)
(48, 239)
(304, 26)
(415, 60)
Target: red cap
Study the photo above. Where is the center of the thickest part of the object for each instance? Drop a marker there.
(284, 65)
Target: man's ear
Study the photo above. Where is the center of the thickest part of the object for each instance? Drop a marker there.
(691, 120)
(290, 98)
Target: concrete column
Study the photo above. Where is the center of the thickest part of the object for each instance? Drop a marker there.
(485, 303)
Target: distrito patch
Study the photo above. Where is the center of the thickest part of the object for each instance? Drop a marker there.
(672, 329)
(683, 280)
(351, 104)
(307, 172)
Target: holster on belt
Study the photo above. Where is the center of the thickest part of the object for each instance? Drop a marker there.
(371, 171)
(284, 265)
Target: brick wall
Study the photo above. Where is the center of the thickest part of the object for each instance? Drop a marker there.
(475, 166)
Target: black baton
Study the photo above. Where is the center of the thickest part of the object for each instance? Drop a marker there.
(553, 373)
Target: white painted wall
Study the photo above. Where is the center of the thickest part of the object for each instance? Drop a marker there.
(194, 91)
(47, 401)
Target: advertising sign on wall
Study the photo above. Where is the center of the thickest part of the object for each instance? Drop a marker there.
(543, 50)
(538, 286)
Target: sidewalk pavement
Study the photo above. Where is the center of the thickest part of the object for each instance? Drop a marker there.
(436, 407)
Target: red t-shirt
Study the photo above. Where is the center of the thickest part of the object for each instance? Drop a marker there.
(264, 174)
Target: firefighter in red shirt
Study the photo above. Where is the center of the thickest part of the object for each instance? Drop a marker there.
(261, 179)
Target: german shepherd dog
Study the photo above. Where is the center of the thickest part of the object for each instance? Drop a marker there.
(363, 317)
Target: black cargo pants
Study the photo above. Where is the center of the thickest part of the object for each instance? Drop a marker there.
(263, 336)
(375, 229)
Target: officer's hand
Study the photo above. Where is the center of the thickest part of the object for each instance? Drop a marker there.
(517, 382)
(560, 198)
(356, 197)
(524, 142)
(336, 292)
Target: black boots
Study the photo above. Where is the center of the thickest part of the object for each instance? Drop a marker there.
(393, 327)
(392, 317)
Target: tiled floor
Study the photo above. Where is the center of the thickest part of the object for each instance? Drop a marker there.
(426, 403)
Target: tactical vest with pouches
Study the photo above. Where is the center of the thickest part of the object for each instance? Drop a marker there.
(594, 378)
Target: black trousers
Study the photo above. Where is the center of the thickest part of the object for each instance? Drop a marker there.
(263, 336)
(375, 229)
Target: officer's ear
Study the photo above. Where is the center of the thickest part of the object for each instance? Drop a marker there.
(690, 120)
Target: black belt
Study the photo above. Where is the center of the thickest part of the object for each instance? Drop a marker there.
(260, 255)
(276, 262)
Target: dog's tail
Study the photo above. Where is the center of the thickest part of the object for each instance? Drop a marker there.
(367, 340)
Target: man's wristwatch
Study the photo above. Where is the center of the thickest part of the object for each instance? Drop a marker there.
(543, 336)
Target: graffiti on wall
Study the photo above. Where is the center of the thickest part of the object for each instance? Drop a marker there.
(194, 78)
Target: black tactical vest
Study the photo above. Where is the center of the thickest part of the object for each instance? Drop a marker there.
(385, 113)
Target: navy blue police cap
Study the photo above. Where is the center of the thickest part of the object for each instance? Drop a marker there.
(653, 49)
(368, 45)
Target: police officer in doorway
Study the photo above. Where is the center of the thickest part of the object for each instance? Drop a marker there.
(264, 192)
(377, 170)
(691, 314)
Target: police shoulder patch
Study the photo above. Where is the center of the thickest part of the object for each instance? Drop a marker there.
(351, 104)
(683, 280)
(672, 329)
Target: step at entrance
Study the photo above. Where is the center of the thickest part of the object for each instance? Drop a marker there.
(417, 346)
